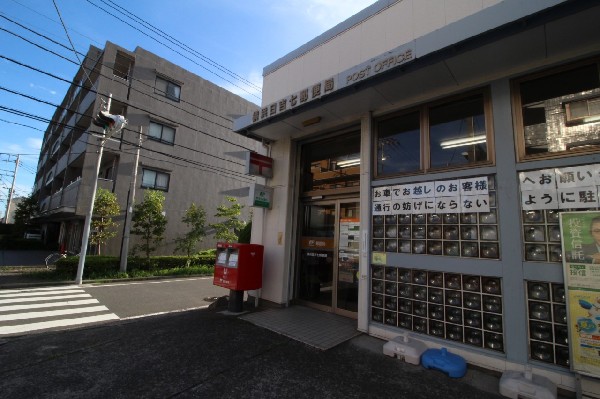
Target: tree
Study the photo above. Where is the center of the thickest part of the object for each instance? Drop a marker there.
(195, 219)
(25, 210)
(149, 221)
(229, 229)
(103, 227)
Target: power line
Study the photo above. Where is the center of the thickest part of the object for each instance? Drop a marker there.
(70, 41)
(198, 163)
(106, 65)
(23, 113)
(91, 39)
(185, 47)
(134, 89)
(172, 49)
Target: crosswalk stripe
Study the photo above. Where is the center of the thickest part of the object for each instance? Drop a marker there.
(56, 323)
(38, 293)
(12, 308)
(38, 298)
(27, 289)
(52, 313)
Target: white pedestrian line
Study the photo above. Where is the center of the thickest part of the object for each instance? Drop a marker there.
(39, 293)
(57, 288)
(56, 323)
(52, 313)
(42, 298)
(11, 308)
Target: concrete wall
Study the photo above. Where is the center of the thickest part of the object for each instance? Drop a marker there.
(382, 27)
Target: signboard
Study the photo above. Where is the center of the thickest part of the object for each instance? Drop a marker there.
(259, 165)
(574, 187)
(261, 196)
(580, 233)
(349, 245)
(441, 196)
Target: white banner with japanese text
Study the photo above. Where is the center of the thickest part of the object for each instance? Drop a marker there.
(440, 196)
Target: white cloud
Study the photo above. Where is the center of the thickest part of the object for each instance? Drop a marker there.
(245, 91)
(34, 144)
(324, 13)
(34, 86)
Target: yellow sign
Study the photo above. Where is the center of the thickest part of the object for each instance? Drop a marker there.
(379, 258)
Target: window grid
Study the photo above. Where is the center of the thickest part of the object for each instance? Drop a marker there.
(155, 180)
(472, 235)
(547, 323)
(541, 234)
(457, 307)
(162, 133)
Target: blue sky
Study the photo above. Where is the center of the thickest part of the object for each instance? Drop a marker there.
(242, 35)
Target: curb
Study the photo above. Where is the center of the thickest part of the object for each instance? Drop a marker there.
(26, 284)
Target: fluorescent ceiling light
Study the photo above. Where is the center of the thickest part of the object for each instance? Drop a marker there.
(348, 162)
(463, 141)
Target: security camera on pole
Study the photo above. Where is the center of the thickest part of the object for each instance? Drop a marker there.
(110, 125)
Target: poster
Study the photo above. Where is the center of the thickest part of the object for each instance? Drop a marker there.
(440, 196)
(348, 250)
(580, 233)
(574, 187)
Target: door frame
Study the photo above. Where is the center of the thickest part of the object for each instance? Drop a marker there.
(335, 265)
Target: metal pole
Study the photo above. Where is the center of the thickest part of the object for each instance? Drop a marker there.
(12, 190)
(129, 210)
(88, 216)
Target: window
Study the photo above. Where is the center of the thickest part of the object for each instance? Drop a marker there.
(457, 133)
(558, 111)
(155, 180)
(167, 89)
(450, 134)
(583, 111)
(123, 65)
(331, 165)
(399, 145)
(162, 133)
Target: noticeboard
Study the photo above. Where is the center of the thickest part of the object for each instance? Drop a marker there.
(580, 232)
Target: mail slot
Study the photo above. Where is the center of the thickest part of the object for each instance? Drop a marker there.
(238, 266)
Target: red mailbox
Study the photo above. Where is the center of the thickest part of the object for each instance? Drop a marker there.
(239, 266)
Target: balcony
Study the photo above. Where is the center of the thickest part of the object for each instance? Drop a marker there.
(86, 102)
(69, 194)
(78, 148)
(55, 200)
(62, 163)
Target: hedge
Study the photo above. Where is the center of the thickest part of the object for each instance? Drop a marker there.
(105, 265)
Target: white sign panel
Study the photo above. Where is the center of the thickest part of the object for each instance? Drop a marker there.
(441, 196)
(575, 187)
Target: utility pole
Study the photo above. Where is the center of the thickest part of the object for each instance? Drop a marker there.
(12, 190)
(115, 123)
(129, 210)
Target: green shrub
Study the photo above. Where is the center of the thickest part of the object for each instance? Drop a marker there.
(107, 267)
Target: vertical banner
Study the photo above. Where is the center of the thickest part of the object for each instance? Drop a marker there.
(580, 233)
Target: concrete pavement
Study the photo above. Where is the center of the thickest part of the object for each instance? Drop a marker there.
(206, 354)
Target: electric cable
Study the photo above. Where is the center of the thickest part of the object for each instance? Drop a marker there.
(70, 41)
(103, 64)
(184, 46)
(216, 168)
(172, 49)
(79, 113)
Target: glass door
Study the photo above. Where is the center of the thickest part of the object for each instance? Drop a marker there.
(348, 256)
(329, 253)
(315, 277)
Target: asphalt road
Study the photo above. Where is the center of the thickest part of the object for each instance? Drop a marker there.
(151, 297)
(22, 258)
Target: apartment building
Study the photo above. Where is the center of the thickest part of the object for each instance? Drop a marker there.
(426, 152)
(188, 150)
